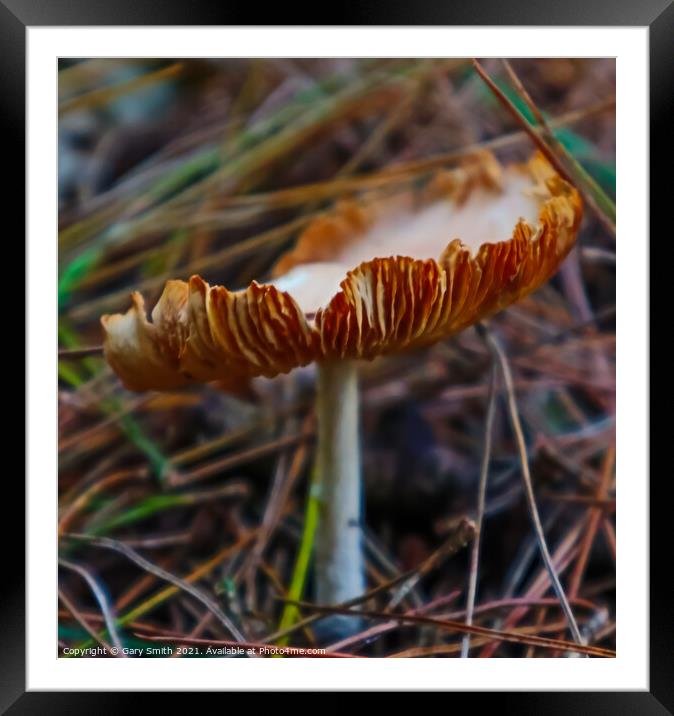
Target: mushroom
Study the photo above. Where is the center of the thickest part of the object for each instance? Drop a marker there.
(379, 274)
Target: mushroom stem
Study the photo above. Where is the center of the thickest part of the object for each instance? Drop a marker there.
(340, 573)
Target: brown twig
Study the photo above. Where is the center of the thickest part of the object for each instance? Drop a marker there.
(499, 355)
(521, 120)
(227, 463)
(84, 498)
(456, 626)
(80, 352)
(282, 486)
(543, 146)
(596, 515)
(457, 540)
(373, 632)
(564, 554)
(481, 499)
(148, 566)
(588, 186)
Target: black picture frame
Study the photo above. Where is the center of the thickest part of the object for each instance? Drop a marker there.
(658, 15)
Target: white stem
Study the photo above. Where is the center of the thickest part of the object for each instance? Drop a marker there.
(340, 575)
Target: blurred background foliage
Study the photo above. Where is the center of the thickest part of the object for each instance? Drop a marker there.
(212, 166)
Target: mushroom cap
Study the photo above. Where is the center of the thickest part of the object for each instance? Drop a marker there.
(377, 275)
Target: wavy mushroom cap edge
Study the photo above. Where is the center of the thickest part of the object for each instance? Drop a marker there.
(318, 309)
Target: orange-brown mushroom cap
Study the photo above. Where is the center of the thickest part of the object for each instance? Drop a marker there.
(338, 294)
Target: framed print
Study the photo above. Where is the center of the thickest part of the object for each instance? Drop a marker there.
(337, 354)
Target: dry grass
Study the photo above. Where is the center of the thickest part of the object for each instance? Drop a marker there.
(181, 514)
